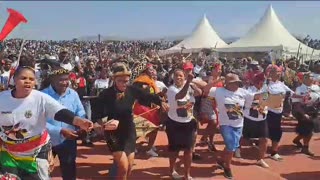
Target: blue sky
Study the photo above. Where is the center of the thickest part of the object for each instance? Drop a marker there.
(66, 20)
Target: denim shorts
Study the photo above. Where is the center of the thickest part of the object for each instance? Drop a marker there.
(231, 136)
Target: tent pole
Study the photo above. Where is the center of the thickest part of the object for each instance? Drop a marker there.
(306, 55)
(298, 50)
(311, 54)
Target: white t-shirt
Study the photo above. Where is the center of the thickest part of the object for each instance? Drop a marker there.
(311, 92)
(4, 78)
(161, 85)
(278, 88)
(197, 69)
(230, 105)
(6, 74)
(38, 78)
(252, 109)
(177, 112)
(67, 66)
(27, 116)
(316, 77)
(101, 83)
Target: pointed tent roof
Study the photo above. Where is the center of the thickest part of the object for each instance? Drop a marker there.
(203, 36)
(267, 34)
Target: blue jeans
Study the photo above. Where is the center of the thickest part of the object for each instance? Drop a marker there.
(67, 153)
(231, 137)
(87, 107)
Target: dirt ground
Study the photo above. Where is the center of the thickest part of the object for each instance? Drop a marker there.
(93, 163)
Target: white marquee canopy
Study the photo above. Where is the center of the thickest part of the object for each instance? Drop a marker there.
(269, 34)
(203, 36)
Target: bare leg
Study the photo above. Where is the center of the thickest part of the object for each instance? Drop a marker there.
(152, 138)
(195, 156)
(122, 162)
(131, 161)
(210, 129)
(227, 158)
(298, 138)
(262, 147)
(172, 161)
(187, 163)
(306, 140)
(275, 146)
(305, 148)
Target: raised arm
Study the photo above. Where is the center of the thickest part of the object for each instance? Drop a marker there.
(196, 89)
(181, 94)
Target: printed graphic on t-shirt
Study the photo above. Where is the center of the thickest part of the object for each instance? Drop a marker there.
(256, 110)
(184, 108)
(311, 96)
(234, 111)
(14, 132)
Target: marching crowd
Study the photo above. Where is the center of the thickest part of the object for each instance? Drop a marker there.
(56, 93)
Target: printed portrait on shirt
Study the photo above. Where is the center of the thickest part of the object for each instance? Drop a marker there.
(184, 108)
(256, 110)
(233, 108)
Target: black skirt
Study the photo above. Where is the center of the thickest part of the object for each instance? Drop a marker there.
(180, 135)
(304, 127)
(274, 126)
(255, 129)
(122, 139)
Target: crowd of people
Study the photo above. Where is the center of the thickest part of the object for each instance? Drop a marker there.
(55, 93)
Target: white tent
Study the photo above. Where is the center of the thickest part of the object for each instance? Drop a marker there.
(269, 34)
(203, 36)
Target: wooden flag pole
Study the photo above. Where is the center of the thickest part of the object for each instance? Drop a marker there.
(20, 52)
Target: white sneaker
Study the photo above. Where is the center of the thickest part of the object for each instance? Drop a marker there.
(175, 175)
(152, 153)
(276, 157)
(262, 163)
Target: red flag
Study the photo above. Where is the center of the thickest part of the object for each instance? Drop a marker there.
(14, 19)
